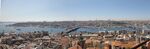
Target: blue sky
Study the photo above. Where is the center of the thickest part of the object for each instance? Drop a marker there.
(0, 3)
(63, 10)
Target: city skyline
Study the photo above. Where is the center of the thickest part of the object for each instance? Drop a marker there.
(69, 10)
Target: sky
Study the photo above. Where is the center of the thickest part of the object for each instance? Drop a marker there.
(74, 10)
(0, 3)
(0, 8)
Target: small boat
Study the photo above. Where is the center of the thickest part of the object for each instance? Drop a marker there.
(18, 29)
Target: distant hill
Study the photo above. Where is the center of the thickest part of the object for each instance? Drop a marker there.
(96, 23)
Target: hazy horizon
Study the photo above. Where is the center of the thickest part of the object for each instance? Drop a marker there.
(74, 10)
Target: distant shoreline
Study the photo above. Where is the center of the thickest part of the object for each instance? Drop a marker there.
(94, 23)
(67, 20)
